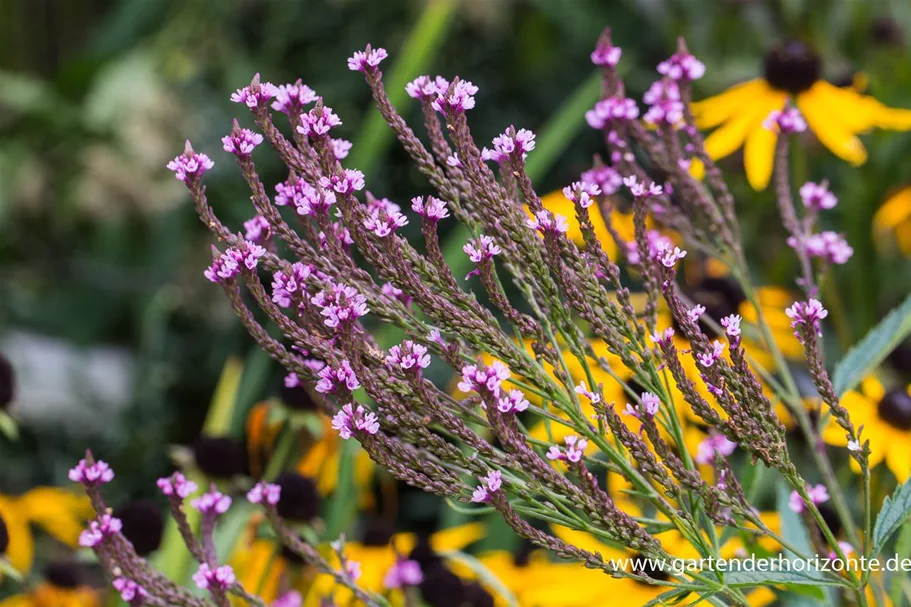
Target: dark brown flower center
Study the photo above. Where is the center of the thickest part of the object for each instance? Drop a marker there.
(895, 409)
(143, 525)
(649, 568)
(299, 500)
(4, 536)
(220, 456)
(792, 67)
(379, 533)
(7, 382)
(63, 574)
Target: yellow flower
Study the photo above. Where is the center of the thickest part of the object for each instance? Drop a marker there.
(892, 221)
(60, 588)
(59, 512)
(886, 419)
(792, 73)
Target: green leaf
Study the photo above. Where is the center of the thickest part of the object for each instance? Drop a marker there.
(903, 551)
(6, 569)
(807, 576)
(866, 355)
(416, 55)
(892, 515)
(342, 507)
(792, 528)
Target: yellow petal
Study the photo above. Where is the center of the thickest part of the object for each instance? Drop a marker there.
(18, 600)
(759, 156)
(21, 548)
(896, 210)
(713, 111)
(731, 135)
(60, 512)
(832, 132)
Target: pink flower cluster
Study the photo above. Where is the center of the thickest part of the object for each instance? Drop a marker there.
(99, 530)
(350, 419)
(480, 250)
(241, 142)
(830, 246)
(256, 94)
(369, 59)
(513, 401)
(229, 264)
(548, 223)
(484, 379)
(665, 106)
(218, 579)
(383, 222)
(582, 193)
(506, 146)
(257, 229)
(305, 198)
(818, 495)
(404, 572)
(130, 591)
(190, 166)
(668, 255)
(582, 390)
(97, 473)
(290, 99)
(606, 111)
(575, 449)
(663, 337)
(425, 87)
(408, 355)
(432, 209)
(682, 66)
(350, 181)
(606, 55)
(712, 445)
(650, 405)
(605, 177)
(288, 287)
(332, 381)
(807, 313)
(817, 196)
(177, 484)
(707, 359)
(341, 304)
(458, 101)
(212, 503)
(263, 492)
(490, 484)
(785, 121)
(640, 189)
(318, 121)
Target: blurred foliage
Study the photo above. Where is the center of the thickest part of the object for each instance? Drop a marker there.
(99, 246)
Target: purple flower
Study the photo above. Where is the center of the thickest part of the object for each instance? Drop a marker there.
(396, 294)
(408, 355)
(212, 503)
(256, 94)
(513, 402)
(290, 99)
(605, 54)
(229, 264)
(548, 223)
(668, 256)
(712, 445)
(261, 492)
(221, 578)
(97, 473)
(582, 389)
(99, 530)
(481, 378)
(582, 193)
(384, 222)
(362, 61)
(731, 325)
(241, 142)
(607, 111)
(176, 484)
(432, 209)
(257, 229)
(190, 166)
(785, 121)
(352, 569)
(605, 177)
(341, 305)
(829, 246)
(707, 359)
(575, 449)
(349, 420)
(640, 189)
(332, 381)
(508, 146)
(817, 196)
(480, 250)
(404, 572)
(292, 598)
(318, 121)
(695, 312)
(682, 66)
(130, 591)
(453, 161)
(423, 87)
(664, 337)
(288, 287)
(807, 313)
(350, 181)
(490, 484)
(650, 404)
(818, 495)
(665, 106)
(459, 100)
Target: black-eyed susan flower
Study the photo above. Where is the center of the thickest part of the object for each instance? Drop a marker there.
(60, 513)
(892, 221)
(792, 72)
(886, 419)
(62, 586)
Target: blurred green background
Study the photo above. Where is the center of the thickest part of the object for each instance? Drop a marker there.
(118, 340)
